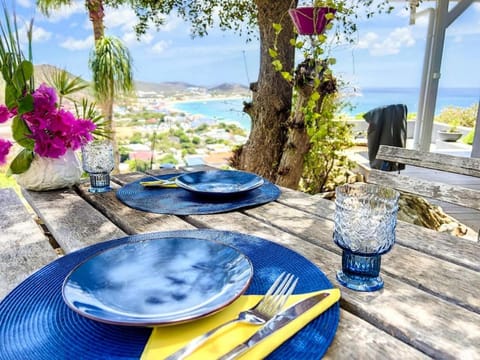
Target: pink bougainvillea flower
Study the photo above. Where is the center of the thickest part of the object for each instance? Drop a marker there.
(5, 114)
(49, 146)
(53, 130)
(36, 121)
(5, 146)
(61, 123)
(44, 99)
(81, 133)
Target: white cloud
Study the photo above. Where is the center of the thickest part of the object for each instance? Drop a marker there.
(160, 47)
(123, 18)
(75, 45)
(39, 34)
(389, 45)
(366, 41)
(24, 3)
(172, 22)
(130, 38)
(200, 52)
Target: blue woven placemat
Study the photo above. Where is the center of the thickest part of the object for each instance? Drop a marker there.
(182, 202)
(37, 324)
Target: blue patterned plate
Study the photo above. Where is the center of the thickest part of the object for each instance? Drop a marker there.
(219, 182)
(157, 281)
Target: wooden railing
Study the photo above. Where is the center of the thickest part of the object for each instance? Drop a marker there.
(434, 188)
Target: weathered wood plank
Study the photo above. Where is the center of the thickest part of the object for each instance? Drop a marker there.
(71, 220)
(429, 160)
(435, 190)
(442, 245)
(23, 246)
(434, 326)
(374, 344)
(131, 220)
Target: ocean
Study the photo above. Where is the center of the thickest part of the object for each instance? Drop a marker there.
(231, 109)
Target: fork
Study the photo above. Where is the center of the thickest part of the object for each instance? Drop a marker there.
(167, 183)
(271, 303)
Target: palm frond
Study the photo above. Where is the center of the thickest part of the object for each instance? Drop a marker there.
(18, 75)
(88, 110)
(111, 65)
(46, 6)
(65, 83)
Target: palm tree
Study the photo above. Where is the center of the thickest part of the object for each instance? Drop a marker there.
(110, 62)
(111, 66)
(94, 7)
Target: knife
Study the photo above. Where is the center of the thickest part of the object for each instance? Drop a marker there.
(277, 322)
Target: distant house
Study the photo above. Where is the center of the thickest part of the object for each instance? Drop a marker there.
(218, 159)
(138, 147)
(141, 155)
(194, 160)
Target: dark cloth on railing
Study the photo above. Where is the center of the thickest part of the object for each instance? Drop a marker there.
(387, 125)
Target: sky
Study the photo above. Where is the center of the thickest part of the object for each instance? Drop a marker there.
(388, 53)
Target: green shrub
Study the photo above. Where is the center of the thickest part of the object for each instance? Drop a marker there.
(138, 165)
(468, 139)
(456, 116)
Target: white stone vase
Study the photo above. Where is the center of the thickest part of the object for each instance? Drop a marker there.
(49, 173)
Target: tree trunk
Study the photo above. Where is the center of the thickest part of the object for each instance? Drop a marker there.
(297, 145)
(107, 110)
(272, 95)
(96, 15)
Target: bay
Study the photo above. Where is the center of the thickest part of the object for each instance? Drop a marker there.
(230, 110)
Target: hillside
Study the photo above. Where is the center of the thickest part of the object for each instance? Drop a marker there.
(44, 72)
(175, 88)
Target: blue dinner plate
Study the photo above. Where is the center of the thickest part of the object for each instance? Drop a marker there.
(36, 322)
(219, 182)
(157, 281)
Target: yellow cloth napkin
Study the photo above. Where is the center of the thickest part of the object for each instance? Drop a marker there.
(166, 340)
(159, 183)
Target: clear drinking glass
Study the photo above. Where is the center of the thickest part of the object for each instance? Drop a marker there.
(98, 162)
(365, 222)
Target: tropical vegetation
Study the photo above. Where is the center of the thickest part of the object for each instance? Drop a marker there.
(39, 123)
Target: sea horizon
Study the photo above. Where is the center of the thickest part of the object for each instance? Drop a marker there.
(231, 109)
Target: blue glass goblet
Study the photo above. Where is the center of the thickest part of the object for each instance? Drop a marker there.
(98, 162)
(365, 222)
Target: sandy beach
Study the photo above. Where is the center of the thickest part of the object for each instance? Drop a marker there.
(170, 103)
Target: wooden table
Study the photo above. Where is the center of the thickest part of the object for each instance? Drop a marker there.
(429, 307)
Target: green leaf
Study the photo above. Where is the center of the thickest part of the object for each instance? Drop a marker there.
(20, 132)
(25, 104)
(299, 44)
(273, 53)
(11, 96)
(277, 65)
(329, 16)
(22, 74)
(22, 162)
(315, 96)
(277, 27)
(287, 76)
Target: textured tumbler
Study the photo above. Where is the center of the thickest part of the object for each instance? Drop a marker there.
(365, 222)
(97, 161)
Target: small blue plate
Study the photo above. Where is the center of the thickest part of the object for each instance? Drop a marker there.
(219, 182)
(157, 282)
